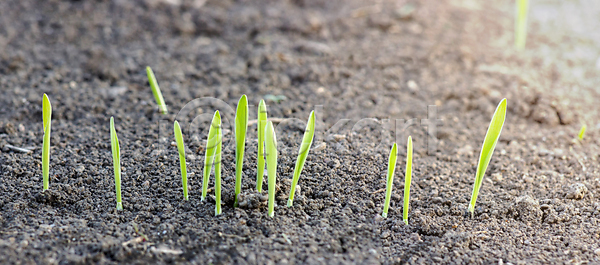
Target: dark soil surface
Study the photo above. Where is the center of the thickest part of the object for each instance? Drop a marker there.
(379, 64)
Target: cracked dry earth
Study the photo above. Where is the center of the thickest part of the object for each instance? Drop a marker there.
(379, 64)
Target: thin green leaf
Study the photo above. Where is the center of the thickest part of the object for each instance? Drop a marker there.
(271, 154)
(241, 125)
(182, 164)
(261, 125)
(116, 153)
(390, 179)
(522, 7)
(47, 124)
(407, 179)
(307, 140)
(218, 172)
(156, 91)
(211, 148)
(487, 150)
(582, 132)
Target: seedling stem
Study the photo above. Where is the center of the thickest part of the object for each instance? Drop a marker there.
(116, 153)
(47, 124)
(182, 164)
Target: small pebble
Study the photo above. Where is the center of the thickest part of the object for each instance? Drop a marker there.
(79, 169)
(497, 177)
(576, 191)
(527, 209)
(24, 243)
(385, 235)
(320, 147)
(415, 237)
(412, 85)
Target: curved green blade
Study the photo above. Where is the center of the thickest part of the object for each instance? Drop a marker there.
(271, 154)
(182, 164)
(241, 125)
(390, 179)
(156, 91)
(307, 140)
(261, 125)
(218, 172)
(581, 132)
(487, 150)
(211, 149)
(116, 153)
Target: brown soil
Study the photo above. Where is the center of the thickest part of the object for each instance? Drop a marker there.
(370, 61)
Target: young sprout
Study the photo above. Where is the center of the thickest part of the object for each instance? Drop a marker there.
(521, 23)
(218, 171)
(211, 150)
(182, 164)
(46, 123)
(582, 132)
(407, 179)
(271, 154)
(262, 123)
(309, 133)
(487, 150)
(241, 125)
(156, 91)
(390, 179)
(116, 154)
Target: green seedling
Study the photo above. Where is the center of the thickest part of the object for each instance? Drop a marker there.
(261, 125)
(582, 132)
(271, 154)
(309, 134)
(116, 154)
(46, 123)
(487, 150)
(182, 164)
(218, 171)
(522, 7)
(140, 234)
(241, 125)
(407, 179)
(390, 179)
(156, 91)
(211, 150)
(275, 98)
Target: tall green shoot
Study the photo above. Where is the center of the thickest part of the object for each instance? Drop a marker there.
(241, 125)
(309, 134)
(487, 150)
(271, 154)
(261, 125)
(182, 164)
(46, 123)
(211, 149)
(218, 171)
(156, 91)
(407, 179)
(522, 7)
(390, 179)
(116, 154)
